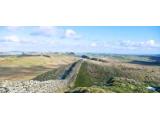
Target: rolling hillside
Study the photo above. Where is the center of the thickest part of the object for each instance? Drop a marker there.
(82, 75)
(98, 77)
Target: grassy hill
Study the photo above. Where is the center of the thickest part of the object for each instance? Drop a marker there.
(98, 74)
(95, 78)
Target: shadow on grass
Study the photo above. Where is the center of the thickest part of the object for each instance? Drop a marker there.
(155, 58)
(153, 61)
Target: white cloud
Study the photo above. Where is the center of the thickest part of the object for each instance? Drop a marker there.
(133, 45)
(55, 32)
(93, 44)
(140, 44)
(71, 34)
(12, 38)
(45, 31)
(151, 43)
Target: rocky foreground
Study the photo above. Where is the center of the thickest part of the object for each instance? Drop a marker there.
(32, 86)
(47, 86)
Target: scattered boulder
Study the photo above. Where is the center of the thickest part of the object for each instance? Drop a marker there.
(4, 90)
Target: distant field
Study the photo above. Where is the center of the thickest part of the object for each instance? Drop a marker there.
(27, 67)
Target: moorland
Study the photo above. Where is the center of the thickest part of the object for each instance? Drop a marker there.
(85, 73)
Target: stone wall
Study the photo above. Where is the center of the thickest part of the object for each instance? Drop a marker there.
(35, 86)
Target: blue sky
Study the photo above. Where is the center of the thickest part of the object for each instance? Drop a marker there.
(104, 39)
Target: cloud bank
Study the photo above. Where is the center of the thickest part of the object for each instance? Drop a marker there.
(68, 38)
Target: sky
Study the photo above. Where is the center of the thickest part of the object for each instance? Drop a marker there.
(95, 39)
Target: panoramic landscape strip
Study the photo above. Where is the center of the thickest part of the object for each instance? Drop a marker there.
(86, 59)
